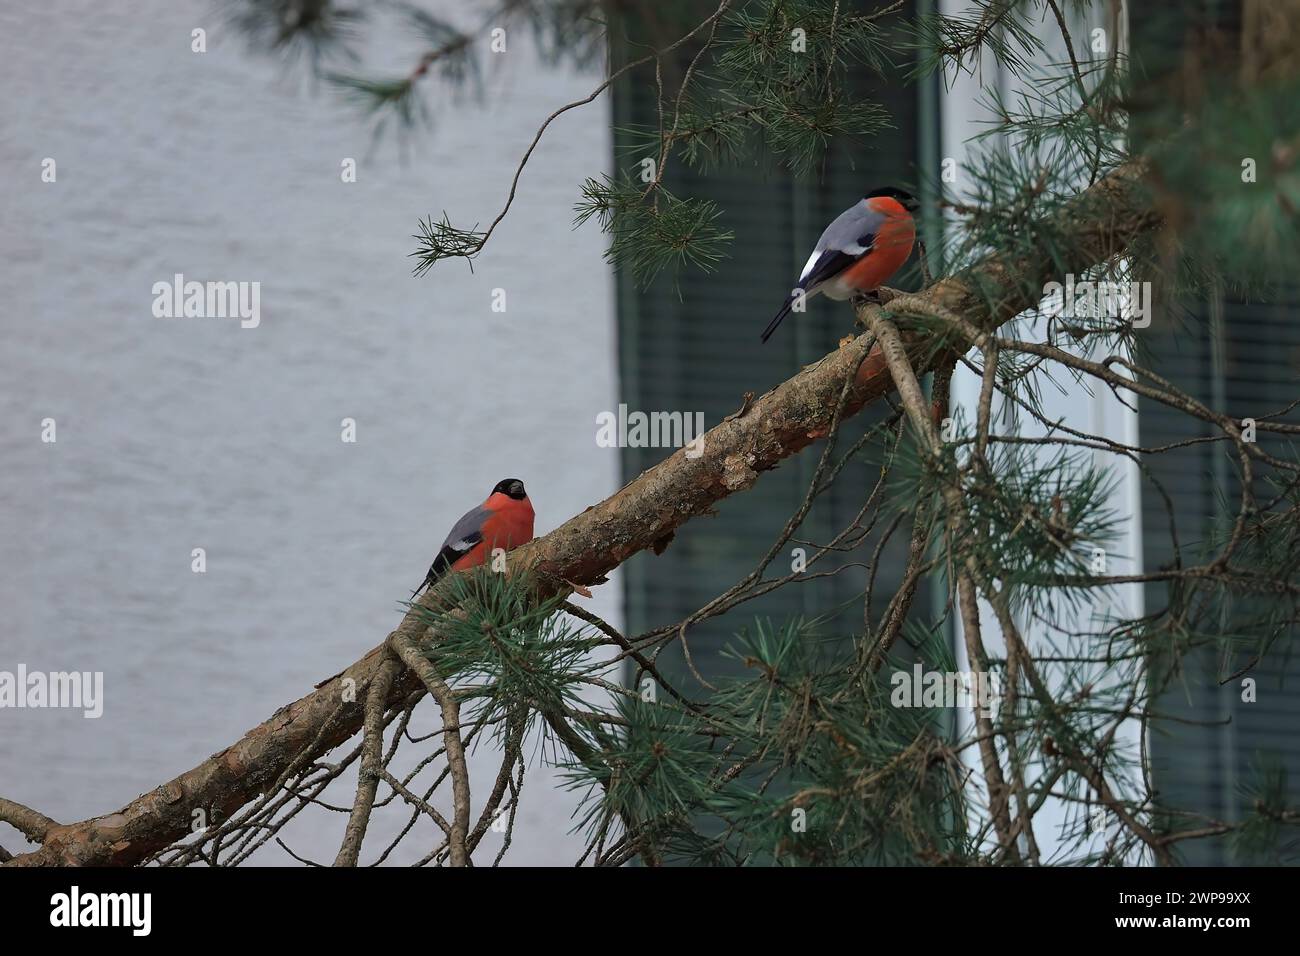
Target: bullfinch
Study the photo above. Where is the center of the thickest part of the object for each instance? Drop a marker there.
(858, 252)
(504, 520)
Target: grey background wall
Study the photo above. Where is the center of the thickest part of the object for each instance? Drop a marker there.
(176, 434)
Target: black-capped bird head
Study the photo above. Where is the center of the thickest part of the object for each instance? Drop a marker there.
(904, 198)
(511, 488)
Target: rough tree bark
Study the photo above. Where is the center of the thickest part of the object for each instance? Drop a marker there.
(1104, 219)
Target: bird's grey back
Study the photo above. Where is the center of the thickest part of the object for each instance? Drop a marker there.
(846, 232)
(469, 524)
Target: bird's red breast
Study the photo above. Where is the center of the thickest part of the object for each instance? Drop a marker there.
(508, 526)
(892, 246)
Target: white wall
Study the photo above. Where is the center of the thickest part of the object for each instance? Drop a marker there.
(184, 433)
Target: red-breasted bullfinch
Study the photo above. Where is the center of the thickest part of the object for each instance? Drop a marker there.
(505, 520)
(858, 252)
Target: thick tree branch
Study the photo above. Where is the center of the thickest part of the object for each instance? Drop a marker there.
(27, 821)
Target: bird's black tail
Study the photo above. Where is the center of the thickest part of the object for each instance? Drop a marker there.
(428, 579)
(776, 319)
(436, 570)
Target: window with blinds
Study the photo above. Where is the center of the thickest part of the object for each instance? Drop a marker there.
(690, 343)
(1214, 748)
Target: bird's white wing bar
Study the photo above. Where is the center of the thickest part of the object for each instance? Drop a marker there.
(808, 266)
(468, 531)
(853, 249)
